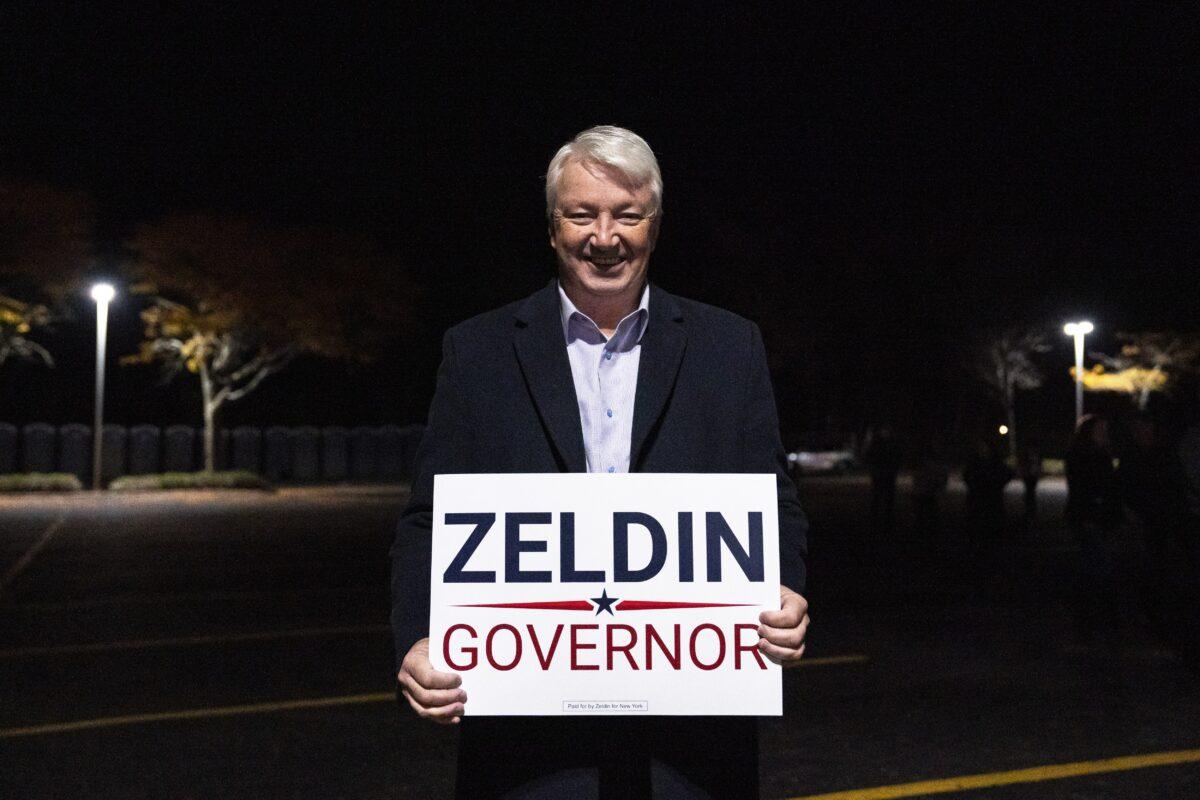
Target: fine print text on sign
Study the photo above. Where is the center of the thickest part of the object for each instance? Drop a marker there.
(579, 594)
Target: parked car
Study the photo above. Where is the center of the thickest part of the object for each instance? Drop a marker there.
(823, 462)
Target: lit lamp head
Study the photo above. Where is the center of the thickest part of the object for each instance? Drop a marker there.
(103, 292)
(1077, 328)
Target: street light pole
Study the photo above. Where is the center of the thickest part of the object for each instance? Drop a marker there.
(1078, 330)
(102, 293)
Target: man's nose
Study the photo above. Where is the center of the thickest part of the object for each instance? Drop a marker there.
(604, 232)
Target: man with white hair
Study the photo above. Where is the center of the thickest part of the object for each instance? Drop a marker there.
(600, 371)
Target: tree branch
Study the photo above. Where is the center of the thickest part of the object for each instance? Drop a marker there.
(267, 369)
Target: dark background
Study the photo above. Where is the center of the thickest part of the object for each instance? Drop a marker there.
(877, 187)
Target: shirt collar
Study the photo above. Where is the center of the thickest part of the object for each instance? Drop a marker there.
(567, 310)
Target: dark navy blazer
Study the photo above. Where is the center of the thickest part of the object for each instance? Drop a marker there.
(505, 402)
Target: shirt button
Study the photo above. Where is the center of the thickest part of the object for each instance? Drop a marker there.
(608, 355)
(609, 412)
(612, 469)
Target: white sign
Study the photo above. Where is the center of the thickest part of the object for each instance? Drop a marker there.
(595, 594)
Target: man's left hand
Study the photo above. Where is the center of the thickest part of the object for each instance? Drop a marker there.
(783, 632)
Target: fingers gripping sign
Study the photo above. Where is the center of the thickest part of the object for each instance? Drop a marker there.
(784, 631)
(434, 695)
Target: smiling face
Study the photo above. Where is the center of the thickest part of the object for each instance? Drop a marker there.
(603, 235)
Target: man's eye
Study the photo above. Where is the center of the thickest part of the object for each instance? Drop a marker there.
(631, 219)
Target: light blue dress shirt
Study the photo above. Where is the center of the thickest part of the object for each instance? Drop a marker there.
(605, 373)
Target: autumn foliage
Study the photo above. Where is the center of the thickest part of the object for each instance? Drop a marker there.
(235, 302)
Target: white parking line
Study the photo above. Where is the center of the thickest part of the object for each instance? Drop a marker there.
(191, 597)
(196, 713)
(267, 636)
(143, 644)
(27, 557)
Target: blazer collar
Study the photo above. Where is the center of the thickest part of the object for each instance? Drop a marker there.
(662, 353)
(542, 354)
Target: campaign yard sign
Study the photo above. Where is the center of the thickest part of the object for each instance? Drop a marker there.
(592, 594)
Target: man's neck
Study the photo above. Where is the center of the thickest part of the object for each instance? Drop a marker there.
(606, 311)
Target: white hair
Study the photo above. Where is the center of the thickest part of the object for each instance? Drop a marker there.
(613, 147)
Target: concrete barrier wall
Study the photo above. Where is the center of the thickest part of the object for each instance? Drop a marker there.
(303, 454)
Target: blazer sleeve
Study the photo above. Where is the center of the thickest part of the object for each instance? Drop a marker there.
(445, 448)
(764, 454)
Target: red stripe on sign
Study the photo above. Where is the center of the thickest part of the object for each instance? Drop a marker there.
(549, 605)
(654, 605)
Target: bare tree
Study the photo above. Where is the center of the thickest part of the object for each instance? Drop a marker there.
(1006, 363)
(1146, 363)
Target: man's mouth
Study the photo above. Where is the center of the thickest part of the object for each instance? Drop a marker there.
(605, 261)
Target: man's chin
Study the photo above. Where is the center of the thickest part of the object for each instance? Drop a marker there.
(607, 288)
(614, 281)
(593, 283)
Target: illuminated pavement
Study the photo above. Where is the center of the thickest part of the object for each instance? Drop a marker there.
(235, 645)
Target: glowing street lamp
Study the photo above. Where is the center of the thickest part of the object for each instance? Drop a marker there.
(102, 293)
(1078, 330)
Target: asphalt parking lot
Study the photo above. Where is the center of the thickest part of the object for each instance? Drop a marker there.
(235, 644)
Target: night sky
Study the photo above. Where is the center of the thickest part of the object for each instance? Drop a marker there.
(873, 186)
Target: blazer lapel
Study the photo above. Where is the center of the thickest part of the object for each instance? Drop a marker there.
(662, 352)
(542, 354)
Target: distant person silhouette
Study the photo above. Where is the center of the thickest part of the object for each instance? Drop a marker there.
(1189, 456)
(883, 457)
(1188, 451)
(1093, 515)
(986, 475)
(1029, 469)
(1154, 485)
(929, 482)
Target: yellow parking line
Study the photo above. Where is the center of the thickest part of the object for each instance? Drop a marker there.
(140, 644)
(266, 708)
(198, 713)
(1050, 772)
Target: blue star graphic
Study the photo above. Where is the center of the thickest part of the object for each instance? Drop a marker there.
(604, 603)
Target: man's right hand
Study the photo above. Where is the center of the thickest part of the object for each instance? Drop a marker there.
(433, 695)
